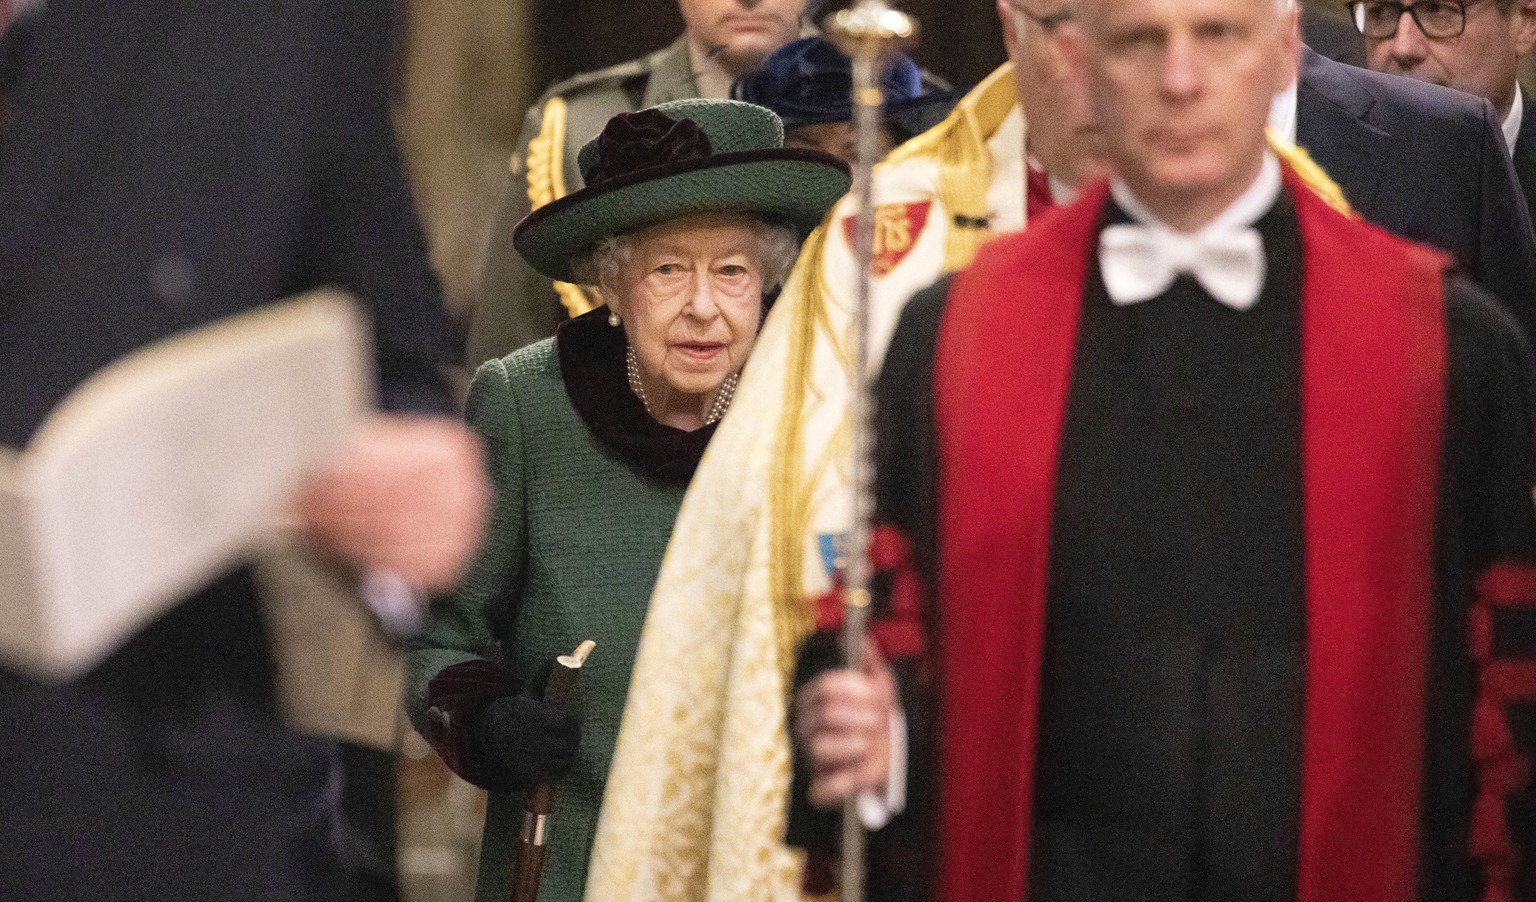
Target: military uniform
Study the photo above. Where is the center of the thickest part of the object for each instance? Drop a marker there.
(518, 306)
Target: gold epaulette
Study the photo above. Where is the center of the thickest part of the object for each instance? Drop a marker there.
(959, 145)
(546, 156)
(1312, 175)
(546, 183)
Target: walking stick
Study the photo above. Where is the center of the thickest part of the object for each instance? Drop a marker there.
(870, 32)
(529, 866)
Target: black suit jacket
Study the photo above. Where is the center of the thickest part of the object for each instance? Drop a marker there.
(173, 162)
(1427, 163)
(169, 163)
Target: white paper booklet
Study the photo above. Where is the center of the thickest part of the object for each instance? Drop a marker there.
(166, 467)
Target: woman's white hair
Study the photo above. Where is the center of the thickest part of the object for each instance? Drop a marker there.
(777, 248)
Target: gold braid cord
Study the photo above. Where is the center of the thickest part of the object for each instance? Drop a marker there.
(958, 146)
(1312, 175)
(546, 183)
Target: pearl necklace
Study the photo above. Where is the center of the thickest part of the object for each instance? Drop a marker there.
(716, 410)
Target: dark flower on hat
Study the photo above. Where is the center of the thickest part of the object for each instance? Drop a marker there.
(632, 142)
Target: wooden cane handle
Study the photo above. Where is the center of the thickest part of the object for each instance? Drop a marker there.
(528, 866)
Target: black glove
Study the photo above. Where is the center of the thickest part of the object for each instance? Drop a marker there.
(519, 741)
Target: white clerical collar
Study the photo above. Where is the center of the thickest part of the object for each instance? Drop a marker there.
(1248, 209)
(1282, 113)
(1514, 120)
(709, 77)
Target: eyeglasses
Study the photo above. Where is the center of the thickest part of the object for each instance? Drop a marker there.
(1049, 23)
(1438, 19)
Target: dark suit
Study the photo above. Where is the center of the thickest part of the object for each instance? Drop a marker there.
(1427, 163)
(170, 163)
(1525, 154)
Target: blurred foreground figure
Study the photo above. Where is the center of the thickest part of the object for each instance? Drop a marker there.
(163, 165)
(1218, 504)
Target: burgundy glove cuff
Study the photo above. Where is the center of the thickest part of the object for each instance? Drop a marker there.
(455, 697)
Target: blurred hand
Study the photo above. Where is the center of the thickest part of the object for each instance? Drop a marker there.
(842, 725)
(410, 496)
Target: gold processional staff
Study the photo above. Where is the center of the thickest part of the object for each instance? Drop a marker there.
(870, 32)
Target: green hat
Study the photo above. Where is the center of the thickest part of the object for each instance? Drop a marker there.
(677, 159)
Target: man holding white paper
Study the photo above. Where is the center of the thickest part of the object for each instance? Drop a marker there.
(163, 166)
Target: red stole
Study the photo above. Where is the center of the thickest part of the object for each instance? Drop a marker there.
(1373, 398)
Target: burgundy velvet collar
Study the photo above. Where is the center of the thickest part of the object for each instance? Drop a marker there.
(592, 365)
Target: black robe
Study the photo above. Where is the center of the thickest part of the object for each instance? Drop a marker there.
(1176, 580)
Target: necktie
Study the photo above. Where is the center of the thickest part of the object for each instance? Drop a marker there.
(1139, 263)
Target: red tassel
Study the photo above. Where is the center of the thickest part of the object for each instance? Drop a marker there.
(829, 608)
(900, 634)
(899, 631)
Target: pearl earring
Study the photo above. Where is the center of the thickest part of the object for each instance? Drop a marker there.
(614, 321)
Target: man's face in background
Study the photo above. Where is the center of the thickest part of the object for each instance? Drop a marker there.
(1482, 59)
(1062, 136)
(742, 33)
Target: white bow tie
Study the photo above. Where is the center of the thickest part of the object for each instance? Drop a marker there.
(1139, 263)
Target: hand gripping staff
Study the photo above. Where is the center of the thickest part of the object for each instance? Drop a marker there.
(871, 32)
(529, 865)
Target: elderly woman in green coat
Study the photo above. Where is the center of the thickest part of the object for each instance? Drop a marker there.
(692, 211)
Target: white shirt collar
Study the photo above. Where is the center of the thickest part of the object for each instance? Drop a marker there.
(1282, 113)
(1515, 119)
(1248, 209)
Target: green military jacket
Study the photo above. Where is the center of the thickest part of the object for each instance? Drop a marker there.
(516, 305)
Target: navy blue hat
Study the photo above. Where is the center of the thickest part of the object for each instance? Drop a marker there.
(810, 81)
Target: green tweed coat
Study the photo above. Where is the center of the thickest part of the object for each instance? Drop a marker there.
(576, 543)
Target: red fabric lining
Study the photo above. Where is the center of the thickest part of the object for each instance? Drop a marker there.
(1508, 585)
(1372, 420)
(1504, 768)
